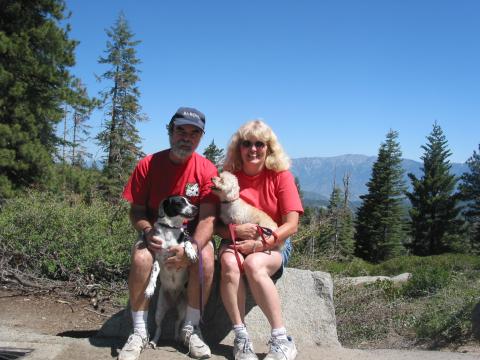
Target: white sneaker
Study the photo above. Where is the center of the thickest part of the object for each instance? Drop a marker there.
(243, 349)
(281, 349)
(133, 347)
(191, 337)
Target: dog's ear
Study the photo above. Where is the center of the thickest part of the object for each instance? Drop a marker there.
(161, 210)
(170, 206)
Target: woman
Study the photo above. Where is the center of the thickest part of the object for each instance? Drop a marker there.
(261, 166)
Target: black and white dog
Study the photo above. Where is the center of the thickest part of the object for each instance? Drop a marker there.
(172, 213)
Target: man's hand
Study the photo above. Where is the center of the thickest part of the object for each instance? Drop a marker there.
(178, 260)
(154, 243)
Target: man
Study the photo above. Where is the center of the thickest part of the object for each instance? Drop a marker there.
(180, 171)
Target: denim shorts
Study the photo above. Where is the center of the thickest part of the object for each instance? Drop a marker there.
(286, 253)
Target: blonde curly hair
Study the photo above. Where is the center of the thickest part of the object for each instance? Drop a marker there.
(276, 160)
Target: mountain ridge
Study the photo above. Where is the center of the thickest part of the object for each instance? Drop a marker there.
(318, 174)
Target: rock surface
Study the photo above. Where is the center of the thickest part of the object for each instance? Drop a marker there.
(307, 305)
(362, 280)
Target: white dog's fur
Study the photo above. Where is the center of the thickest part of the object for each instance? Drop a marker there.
(171, 214)
(234, 210)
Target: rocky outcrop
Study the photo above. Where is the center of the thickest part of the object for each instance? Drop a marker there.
(307, 305)
(362, 280)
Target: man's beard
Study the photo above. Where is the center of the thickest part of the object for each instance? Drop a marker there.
(178, 150)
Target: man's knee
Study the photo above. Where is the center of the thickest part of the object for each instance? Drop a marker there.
(142, 260)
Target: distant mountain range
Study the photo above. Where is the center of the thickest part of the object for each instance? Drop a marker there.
(317, 175)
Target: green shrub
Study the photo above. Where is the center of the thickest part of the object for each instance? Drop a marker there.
(366, 314)
(448, 316)
(434, 308)
(58, 236)
(426, 281)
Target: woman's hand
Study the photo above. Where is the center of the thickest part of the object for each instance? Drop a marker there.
(248, 246)
(246, 231)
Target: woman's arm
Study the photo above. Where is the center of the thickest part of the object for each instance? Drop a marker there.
(243, 231)
(288, 228)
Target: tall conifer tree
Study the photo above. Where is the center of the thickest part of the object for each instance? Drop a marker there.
(435, 226)
(35, 54)
(470, 192)
(82, 109)
(347, 231)
(380, 229)
(120, 138)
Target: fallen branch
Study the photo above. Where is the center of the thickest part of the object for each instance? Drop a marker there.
(66, 303)
(96, 312)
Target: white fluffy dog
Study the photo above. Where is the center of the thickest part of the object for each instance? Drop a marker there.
(234, 210)
(172, 213)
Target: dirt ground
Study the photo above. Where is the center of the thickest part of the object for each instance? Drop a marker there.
(77, 318)
(52, 315)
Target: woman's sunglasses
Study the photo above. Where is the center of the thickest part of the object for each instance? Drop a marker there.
(248, 144)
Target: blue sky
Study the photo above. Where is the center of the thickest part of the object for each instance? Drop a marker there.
(330, 77)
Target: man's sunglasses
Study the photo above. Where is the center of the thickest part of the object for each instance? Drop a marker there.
(248, 144)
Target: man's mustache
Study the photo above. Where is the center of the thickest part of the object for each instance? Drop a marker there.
(183, 142)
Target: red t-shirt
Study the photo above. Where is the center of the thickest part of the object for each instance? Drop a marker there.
(156, 177)
(273, 192)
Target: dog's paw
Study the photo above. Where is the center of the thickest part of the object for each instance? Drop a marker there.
(190, 251)
(149, 291)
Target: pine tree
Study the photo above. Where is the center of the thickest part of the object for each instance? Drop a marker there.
(335, 236)
(435, 225)
(214, 154)
(82, 109)
(330, 232)
(470, 192)
(35, 56)
(120, 138)
(380, 225)
(346, 231)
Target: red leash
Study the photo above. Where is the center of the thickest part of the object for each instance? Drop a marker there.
(264, 232)
(231, 228)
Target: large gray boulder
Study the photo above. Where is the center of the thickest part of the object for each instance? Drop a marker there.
(307, 305)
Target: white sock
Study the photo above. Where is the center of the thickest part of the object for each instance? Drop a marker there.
(280, 333)
(240, 331)
(192, 317)
(140, 322)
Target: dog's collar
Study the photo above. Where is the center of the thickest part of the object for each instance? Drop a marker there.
(229, 201)
(169, 226)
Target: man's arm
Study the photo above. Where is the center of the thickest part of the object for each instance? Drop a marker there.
(139, 220)
(206, 224)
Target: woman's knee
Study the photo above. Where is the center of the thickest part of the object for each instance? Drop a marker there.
(260, 266)
(229, 264)
(253, 267)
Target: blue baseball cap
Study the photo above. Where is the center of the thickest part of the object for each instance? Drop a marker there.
(188, 116)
